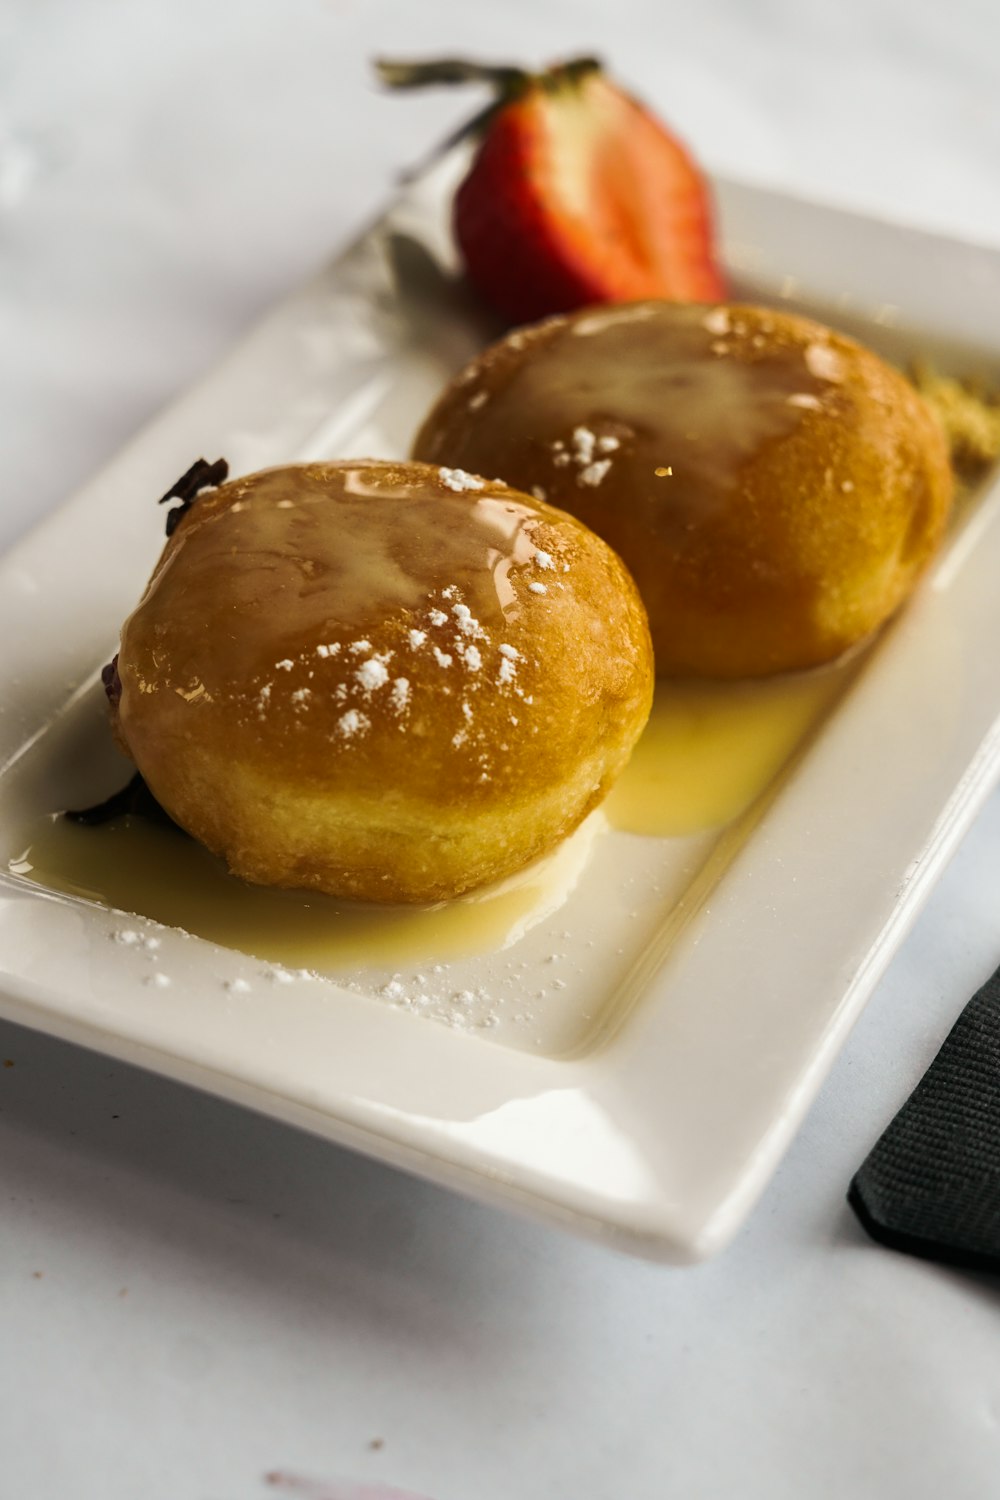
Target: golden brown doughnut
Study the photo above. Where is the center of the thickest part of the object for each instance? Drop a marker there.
(382, 680)
(774, 488)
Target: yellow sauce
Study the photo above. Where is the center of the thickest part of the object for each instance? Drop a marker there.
(708, 752)
(141, 867)
(711, 748)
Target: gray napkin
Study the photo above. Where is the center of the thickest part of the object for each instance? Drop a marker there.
(931, 1184)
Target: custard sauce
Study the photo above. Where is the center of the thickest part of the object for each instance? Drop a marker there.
(708, 753)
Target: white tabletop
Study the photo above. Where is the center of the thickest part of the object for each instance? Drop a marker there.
(193, 1299)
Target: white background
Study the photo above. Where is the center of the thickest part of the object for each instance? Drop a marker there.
(192, 1298)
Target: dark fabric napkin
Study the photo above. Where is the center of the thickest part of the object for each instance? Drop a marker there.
(931, 1185)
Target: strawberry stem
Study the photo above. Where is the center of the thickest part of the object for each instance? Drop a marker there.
(448, 70)
(507, 82)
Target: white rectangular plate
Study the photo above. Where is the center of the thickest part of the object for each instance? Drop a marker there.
(705, 984)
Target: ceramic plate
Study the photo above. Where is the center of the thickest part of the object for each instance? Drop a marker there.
(641, 1022)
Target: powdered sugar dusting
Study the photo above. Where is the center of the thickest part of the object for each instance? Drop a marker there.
(583, 444)
(717, 321)
(594, 473)
(459, 481)
(467, 624)
(823, 362)
(372, 674)
(353, 723)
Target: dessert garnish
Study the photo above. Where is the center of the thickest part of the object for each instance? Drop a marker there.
(576, 194)
(201, 476)
(969, 414)
(134, 799)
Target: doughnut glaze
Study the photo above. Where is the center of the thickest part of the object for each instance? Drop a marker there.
(385, 681)
(774, 488)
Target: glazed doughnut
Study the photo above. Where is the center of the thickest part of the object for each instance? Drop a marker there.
(774, 488)
(387, 681)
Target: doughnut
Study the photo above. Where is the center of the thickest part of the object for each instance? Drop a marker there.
(387, 681)
(774, 488)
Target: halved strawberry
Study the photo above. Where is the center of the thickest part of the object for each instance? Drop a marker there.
(576, 194)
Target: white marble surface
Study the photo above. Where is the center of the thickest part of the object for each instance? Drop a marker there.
(193, 1298)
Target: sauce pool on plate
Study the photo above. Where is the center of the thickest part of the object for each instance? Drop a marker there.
(709, 751)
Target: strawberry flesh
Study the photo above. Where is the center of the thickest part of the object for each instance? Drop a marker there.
(578, 195)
